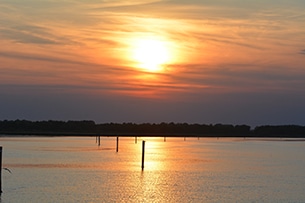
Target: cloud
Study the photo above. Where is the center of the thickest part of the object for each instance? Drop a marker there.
(78, 37)
(24, 37)
(38, 57)
(225, 78)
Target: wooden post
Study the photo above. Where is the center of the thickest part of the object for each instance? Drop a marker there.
(95, 139)
(99, 140)
(184, 138)
(136, 139)
(0, 170)
(117, 144)
(143, 153)
(164, 139)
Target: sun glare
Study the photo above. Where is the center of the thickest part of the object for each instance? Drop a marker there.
(151, 54)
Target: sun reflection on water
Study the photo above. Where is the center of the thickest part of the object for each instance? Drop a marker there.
(155, 153)
(72, 169)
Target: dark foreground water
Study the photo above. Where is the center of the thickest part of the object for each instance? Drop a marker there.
(75, 169)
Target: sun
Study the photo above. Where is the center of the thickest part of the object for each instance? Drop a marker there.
(151, 54)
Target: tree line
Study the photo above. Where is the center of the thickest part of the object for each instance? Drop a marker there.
(52, 127)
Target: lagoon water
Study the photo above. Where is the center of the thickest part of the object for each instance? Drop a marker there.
(75, 169)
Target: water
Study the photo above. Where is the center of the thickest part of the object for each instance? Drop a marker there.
(75, 169)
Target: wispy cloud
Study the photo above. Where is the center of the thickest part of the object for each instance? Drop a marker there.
(40, 57)
(227, 45)
(25, 37)
(231, 58)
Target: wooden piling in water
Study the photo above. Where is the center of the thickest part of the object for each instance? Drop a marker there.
(143, 153)
(99, 140)
(135, 139)
(0, 170)
(164, 139)
(117, 144)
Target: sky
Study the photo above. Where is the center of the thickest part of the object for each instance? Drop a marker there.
(195, 61)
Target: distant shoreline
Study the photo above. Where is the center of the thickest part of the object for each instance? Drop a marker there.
(64, 134)
(90, 128)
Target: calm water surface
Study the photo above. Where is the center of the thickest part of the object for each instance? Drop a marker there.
(75, 169)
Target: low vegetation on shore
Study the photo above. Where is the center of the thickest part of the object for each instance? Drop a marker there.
(87, 127)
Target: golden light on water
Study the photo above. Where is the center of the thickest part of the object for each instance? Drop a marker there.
(154, 153)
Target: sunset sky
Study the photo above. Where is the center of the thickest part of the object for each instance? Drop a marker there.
(195, 61)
